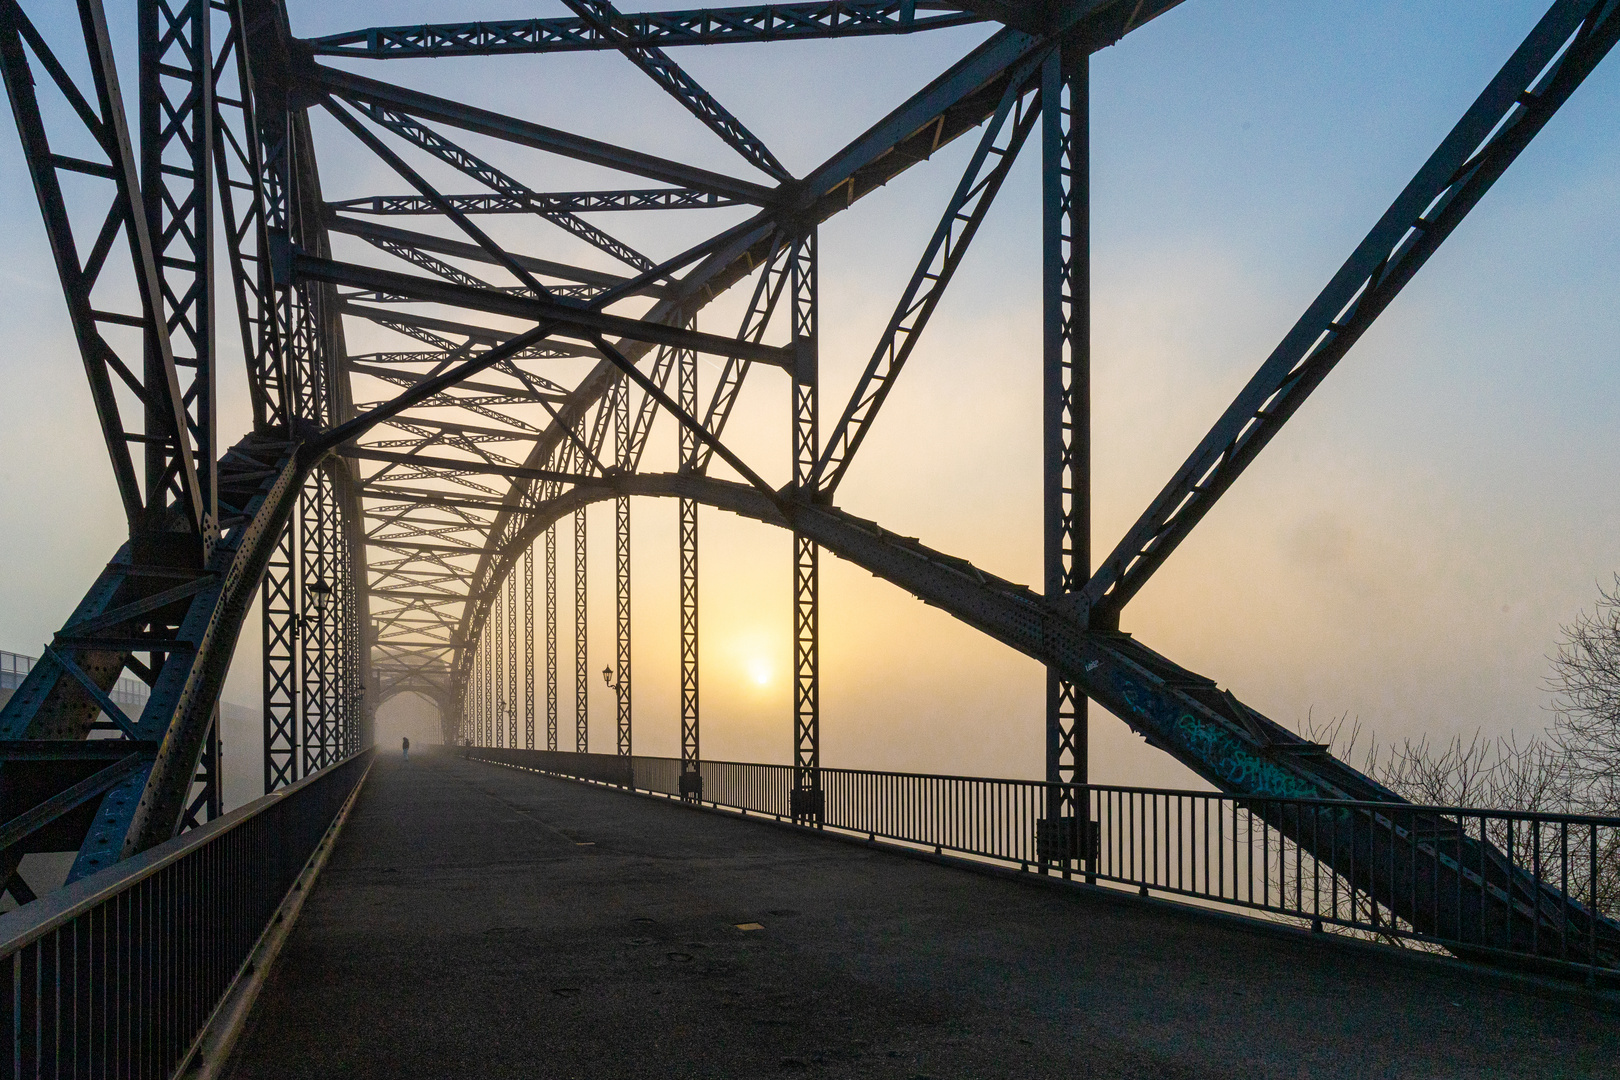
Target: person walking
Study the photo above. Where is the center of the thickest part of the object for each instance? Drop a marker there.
(407, 748)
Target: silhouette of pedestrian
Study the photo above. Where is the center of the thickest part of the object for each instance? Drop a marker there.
(407, 749)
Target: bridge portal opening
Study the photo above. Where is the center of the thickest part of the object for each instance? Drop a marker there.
(408, 716)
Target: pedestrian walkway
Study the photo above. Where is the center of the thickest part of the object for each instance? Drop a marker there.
(482, 922)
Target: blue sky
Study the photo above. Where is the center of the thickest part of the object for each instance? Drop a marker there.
(1405, 551)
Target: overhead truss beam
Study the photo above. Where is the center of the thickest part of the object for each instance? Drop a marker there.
(658, 29)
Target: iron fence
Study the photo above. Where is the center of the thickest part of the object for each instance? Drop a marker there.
(1536, 890)
(116, 975)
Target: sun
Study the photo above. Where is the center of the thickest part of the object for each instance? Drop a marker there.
(759, 673)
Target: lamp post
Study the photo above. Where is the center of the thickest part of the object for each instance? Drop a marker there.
(321, 593)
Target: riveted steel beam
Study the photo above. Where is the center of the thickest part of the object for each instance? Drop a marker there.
(1557, 55)
(658, 29)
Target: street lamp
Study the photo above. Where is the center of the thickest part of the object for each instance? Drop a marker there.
(321, 594)
(607, 677)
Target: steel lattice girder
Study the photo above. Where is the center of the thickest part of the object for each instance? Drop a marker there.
(1185, 714)
(706, 26)
(179, 590)
(861, 155)
(954, 103)
(299, 357)
(1065, 399)
(166, 429)
(1553, 60)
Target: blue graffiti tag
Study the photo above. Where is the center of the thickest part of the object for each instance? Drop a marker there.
(1221, 751)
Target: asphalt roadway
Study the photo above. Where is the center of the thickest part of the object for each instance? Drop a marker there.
(478, 921)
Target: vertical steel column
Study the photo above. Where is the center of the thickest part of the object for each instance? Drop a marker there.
(283, 595)
(498, 635)
(621, 565)
(528, 647)
(582, 687)
(176, 112)
(176, 106)
(278, 598)
(315, 640)
(551, 637)
(1066, 412)
(511, 661)
(341, 657)
(240, 172)
(332, 652)
(491, 702)
(806, 800)
(691, 776)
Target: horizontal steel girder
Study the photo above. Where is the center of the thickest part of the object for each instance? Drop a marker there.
(537, 202)
(571, 320)
(323, 80)
(954, 103)
(662, 29)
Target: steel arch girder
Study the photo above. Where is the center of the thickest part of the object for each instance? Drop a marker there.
(149, 806)
(1229, 744)
(954, 103)
(1149, 692)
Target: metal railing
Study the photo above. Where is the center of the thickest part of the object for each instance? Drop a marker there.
(1536, 890)
(117, 974)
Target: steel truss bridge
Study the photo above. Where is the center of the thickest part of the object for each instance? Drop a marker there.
(397, 514)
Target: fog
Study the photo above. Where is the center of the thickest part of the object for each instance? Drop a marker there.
(1404, 552)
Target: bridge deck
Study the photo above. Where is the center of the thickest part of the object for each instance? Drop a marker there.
(476, 921)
